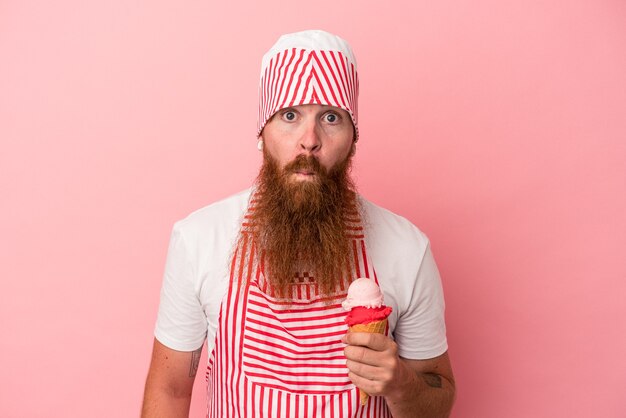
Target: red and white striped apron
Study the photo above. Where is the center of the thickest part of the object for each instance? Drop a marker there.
(277, 359)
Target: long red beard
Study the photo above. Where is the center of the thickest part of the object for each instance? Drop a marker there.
(300, 225)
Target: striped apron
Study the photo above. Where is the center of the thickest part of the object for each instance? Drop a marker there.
(274, 358)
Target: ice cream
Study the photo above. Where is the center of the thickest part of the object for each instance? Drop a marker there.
(363, 292)
(363, 316)
(367, 311)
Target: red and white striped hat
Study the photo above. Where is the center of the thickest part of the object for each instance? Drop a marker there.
(309, 67)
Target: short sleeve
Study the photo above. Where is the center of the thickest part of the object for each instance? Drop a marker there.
(421, 331)
(181, 322)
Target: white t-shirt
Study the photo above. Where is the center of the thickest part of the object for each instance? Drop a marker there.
(198, 267)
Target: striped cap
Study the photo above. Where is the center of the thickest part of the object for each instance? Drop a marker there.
(310, 67)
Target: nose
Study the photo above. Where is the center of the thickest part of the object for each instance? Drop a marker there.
(310, 141)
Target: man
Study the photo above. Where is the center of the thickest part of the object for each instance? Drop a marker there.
(261, 275)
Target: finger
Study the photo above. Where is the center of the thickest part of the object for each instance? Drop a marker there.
(377, 342)
(363, 370)
(363, 355)
(371, 387)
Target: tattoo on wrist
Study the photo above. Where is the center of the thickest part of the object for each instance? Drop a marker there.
(195, 362)
(433, 380)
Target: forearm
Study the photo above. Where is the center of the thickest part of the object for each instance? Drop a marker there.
(161, 403)
(427, 395)
(170, 382)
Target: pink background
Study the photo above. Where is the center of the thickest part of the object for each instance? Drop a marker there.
(498, 127)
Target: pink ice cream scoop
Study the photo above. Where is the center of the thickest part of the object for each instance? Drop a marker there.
(363, 292)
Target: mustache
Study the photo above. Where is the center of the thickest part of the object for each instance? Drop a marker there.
(303, 162)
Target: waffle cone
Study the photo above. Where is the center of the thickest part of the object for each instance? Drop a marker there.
(376, 327)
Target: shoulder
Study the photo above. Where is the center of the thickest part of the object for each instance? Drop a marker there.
(388, 229)
(221, 217)
(219, 212)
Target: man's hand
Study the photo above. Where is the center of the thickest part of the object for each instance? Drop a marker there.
(373, 362)
(410, 387)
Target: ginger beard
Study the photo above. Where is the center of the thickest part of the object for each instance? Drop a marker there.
(300, 225)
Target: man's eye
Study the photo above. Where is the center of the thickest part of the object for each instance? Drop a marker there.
(331, 117)
(289, 115)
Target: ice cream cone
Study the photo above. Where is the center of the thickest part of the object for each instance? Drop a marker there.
(376, 327)
(368, 312)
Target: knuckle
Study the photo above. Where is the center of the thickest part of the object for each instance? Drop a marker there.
(393, 363)
(378, 387)
(387, 376)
